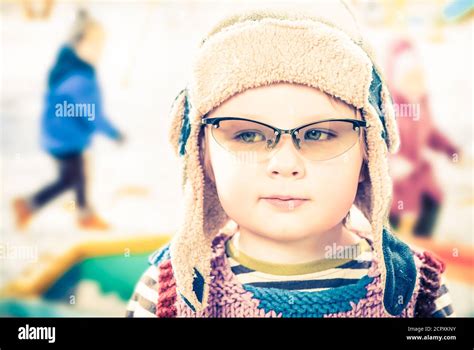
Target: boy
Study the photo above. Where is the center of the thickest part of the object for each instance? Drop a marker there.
(285, 125)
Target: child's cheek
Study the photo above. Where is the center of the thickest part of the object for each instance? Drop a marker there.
(236, 179)
(335, 184)
(331, 186)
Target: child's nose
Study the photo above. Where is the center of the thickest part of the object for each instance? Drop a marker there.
(286, 161)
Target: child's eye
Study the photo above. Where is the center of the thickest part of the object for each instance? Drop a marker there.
(317, 135)
(250, 137)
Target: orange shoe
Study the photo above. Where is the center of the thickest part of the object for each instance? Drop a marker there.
(22, 212)
(92, 222)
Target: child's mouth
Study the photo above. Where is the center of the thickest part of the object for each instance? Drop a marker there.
(286, 204)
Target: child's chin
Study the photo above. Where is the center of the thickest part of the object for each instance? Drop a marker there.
(287, 236)
(286, 231)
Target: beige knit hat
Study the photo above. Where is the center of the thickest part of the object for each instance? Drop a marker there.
(259, 48)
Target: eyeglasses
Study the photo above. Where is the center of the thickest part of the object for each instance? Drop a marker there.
(256, 141)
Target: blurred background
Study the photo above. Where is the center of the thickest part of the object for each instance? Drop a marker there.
(78, 217)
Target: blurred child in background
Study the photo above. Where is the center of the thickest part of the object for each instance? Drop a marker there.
(73, 113)
(417, 195)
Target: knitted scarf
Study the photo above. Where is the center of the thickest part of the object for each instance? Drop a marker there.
(229, 298)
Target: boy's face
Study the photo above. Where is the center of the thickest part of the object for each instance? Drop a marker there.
(326, 189)
(91, 46)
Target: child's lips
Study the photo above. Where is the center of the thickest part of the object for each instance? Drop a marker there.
(285, 203)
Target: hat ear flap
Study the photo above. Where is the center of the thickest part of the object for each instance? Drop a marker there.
(379, 188)
(191, 247)
(180, 124)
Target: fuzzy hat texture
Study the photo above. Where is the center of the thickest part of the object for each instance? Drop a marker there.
(257, 48)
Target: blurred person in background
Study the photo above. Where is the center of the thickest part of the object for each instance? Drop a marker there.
(73, 113)
(417, 196)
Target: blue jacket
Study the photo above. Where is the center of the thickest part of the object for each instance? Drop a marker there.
(73, 106)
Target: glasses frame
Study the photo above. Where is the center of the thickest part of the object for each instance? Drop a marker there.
(214, 122)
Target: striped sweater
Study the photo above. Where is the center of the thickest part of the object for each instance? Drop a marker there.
(261, 278)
